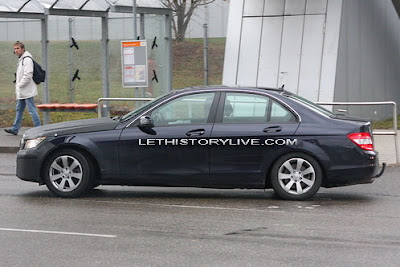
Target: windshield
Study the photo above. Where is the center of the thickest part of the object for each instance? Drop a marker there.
(310, 104)
(140, 109)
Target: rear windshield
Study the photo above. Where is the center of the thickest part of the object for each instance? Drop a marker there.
(310, 104)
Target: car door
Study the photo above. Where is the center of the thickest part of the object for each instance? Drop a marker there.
(159, 155)
(257, 129)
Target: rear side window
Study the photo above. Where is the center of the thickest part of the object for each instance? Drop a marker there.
(252, 108)
(280, 113)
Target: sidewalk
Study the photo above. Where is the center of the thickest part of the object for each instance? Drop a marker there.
(10, 143)
(386, 147)
(383, 143)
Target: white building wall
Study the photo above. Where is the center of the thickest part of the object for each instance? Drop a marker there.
(369, 52)
(294, 43)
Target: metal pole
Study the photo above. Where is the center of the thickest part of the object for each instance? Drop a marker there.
(395, 130)
(71, 64)
(45, 63)
(105, 50)
(142, 37)
(142, 27)
(205, 46)
(134, 15)
(168, 52)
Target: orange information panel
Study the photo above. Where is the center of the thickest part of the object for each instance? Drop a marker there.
(134, 63)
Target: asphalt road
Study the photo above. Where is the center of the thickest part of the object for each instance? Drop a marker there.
(143, 226)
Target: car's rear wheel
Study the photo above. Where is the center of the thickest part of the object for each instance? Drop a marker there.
(296, 176)
(67, 173)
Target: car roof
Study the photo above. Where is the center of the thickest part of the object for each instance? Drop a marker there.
(231, 88)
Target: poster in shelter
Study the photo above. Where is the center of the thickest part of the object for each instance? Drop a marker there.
(134, 63)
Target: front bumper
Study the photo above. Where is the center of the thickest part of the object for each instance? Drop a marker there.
(29, 162)
(28, 166)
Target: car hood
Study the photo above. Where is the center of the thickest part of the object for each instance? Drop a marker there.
(72, 127)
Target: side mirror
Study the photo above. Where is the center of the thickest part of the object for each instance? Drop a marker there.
(146, 122)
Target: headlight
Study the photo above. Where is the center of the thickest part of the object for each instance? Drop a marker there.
(32, 143)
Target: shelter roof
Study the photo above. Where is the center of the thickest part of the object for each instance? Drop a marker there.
(40, 6)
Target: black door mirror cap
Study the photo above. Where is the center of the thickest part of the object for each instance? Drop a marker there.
(146, 122)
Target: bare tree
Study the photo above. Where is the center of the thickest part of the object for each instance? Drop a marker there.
(183, 11)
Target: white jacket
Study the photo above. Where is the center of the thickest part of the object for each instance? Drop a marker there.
(25, 87)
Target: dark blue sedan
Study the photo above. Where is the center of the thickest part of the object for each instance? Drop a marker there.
(215, 137)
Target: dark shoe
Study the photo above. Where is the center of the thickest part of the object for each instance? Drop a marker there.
(10, 131)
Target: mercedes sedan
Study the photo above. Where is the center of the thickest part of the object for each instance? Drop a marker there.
(215, 137)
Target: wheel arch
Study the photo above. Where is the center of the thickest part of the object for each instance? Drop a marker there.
(77, 148)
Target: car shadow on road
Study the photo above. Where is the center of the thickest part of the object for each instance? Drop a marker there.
(111, 193)
(190, 193)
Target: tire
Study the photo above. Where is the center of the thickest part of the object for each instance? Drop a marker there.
(296, 176)
(68, 173)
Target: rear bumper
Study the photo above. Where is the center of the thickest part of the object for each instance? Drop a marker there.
(355, 174)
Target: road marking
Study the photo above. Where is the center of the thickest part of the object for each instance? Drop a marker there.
(188, 206)
(55, 232)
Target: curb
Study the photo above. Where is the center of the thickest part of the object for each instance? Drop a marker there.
(5, 149)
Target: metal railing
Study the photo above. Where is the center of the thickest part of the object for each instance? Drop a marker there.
(100, 100)
(394, 132)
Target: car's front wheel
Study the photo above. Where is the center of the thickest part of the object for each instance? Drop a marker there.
(67, 173)
(296, 176)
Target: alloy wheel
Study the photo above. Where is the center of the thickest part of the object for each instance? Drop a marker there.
(296, 176)
(65, 173)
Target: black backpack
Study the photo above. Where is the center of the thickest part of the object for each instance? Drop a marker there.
(39, 75)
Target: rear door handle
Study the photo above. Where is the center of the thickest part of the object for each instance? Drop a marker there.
(272, 129)
(197, 132)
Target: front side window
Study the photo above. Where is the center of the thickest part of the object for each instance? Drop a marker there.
(189, 109)
(252, 108)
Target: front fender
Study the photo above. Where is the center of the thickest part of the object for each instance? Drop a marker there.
(102, 146)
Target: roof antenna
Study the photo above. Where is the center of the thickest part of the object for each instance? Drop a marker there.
(282, 87)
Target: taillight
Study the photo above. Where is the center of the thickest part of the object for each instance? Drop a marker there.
(363, 140)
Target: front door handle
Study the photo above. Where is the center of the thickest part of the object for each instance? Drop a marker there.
(196, 132)
(272, 129)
